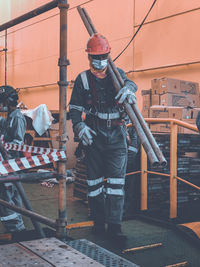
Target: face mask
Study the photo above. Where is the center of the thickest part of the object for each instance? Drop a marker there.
(99, 64)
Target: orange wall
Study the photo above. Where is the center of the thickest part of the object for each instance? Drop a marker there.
(169, 36)
(167, 39)
(33, 46)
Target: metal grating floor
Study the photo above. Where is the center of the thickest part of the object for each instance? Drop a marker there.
(100, 254)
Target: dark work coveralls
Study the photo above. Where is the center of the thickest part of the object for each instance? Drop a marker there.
(106, 158)
(13, 128)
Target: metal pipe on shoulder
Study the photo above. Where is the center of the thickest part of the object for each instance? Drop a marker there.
(153, 152)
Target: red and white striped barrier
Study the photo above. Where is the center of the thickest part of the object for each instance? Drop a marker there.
(46, 156)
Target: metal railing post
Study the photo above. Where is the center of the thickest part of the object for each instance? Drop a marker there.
(173, 170)
(143, 205)
(63, 62)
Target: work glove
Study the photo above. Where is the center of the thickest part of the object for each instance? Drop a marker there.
(126, 94)
(85, 133)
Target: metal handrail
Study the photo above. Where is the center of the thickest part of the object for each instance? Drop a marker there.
(174, 123)
(62, 63)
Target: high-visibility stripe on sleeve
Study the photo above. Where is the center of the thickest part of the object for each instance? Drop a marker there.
(79, 108)
(132, 148)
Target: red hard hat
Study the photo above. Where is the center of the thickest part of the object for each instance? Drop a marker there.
(97, 45)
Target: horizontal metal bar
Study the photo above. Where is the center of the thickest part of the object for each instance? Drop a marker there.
(158, 173)
(31, 214)
(28, 177)
(80, 225)
(29, 15)
(175, 121)
(132, 173)
(164, 67)
(36, 86)
(186, 182)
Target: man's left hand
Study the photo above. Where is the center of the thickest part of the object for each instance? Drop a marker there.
(126, 94)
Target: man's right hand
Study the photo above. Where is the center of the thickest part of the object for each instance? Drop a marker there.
(85, 133)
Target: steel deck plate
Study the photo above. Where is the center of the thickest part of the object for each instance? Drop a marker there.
(101, 255)
(15, 255)
(58, 253)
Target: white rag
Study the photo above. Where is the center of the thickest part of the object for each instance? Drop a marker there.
(41, 117)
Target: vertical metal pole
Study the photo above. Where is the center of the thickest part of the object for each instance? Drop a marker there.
(63, 62)
(173, 170)
(28, 206)
(143, 205)
(6, 34)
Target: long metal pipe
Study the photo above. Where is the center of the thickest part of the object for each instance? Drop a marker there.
(63, 62)
(29, 214)
(154, 153)
(27, 177)
(35, 12)
(144, 141)
(6, 49)
(142, 123)
(91, 30)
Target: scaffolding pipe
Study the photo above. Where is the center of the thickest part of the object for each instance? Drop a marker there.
(28, 206)
(29, 214)
(27, 177)
(60, 224)
(63, 62)
(6, 35)
(29, 15)
(24, 198)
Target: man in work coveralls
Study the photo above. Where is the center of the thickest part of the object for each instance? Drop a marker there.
(103, 136)
(13, 129)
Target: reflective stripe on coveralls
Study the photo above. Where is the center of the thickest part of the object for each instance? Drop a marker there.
(95, 182)
(116, 192)
(96, 192)
(133, 149)
(116, 182)
(9, 217)
(95, 187)
(100, 115)
(85, 80)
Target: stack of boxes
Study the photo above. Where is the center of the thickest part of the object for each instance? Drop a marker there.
(171, 98)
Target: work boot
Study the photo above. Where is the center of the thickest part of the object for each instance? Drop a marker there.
(115, 235)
